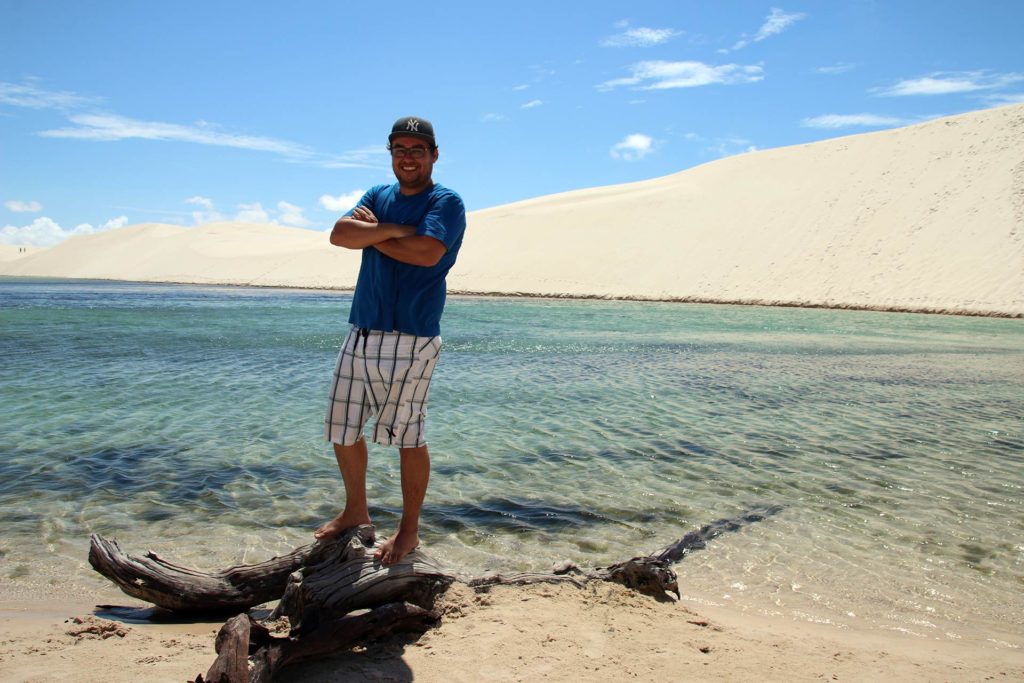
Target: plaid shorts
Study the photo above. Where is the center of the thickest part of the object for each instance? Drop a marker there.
(382, 374)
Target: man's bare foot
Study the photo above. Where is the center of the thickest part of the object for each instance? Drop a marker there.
(394, 549)
(339, 525)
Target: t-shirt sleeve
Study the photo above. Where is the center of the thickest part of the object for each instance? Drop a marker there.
(445, 220)
(366, 200)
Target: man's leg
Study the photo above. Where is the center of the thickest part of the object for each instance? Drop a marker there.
(352, 462)
(415, 475)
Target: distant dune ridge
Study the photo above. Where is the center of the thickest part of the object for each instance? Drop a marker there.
(924, 218)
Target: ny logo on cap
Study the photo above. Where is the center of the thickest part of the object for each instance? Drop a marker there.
(413, 125)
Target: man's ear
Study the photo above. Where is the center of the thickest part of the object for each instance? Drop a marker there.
(436, 150)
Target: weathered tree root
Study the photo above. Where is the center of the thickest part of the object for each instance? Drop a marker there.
(335, 595)
(185, 590)
(243, 634)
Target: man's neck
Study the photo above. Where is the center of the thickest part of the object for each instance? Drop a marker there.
(409, 190)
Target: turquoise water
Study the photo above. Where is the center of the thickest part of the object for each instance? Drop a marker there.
(188, 420)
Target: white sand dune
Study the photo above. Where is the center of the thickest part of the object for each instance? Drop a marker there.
(924, 218)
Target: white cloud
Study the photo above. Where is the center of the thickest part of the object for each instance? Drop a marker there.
(290, 214)
(640, 37)
(343, 202)
(661, 75)
(947, 83)
(851, 120)
(531, 104)
(522, 87)
(204, 202)
(45, 232)
(37, 98)
(632, 147)
(727, 147)
(18, 206)
(840, 68)
(285, 213)
(118, 222)
(491, 117)
(776, 22)
(206, 214)
(252, 213)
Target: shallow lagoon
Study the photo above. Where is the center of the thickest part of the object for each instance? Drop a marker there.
(188, 420)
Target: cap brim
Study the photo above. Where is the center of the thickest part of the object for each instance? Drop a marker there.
(404, 134)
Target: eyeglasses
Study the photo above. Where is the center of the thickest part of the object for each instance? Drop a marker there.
(417, 153)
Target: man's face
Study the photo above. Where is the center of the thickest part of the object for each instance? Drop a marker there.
(412, 160)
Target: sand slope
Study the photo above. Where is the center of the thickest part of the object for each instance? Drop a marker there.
(214, 253)
(928, 217)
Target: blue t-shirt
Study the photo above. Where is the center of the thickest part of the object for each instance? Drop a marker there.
(395, 296)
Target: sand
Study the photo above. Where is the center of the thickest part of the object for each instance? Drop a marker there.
(602, 632)
(924, 218)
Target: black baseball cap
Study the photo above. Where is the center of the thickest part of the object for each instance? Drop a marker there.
(413, 126)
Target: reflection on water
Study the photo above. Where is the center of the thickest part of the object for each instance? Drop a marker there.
(187, 420)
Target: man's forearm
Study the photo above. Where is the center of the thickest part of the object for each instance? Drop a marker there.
(356, 234)
(416, 250)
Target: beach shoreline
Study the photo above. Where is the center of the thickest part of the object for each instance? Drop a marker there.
(970, 313)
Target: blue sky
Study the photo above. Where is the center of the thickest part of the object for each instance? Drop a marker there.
(116, 113)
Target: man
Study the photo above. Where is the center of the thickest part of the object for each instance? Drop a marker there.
(410, 234)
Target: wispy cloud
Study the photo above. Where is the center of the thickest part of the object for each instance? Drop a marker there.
(531, 104)
(948, 83)
(27, 95)
(834, 69)
(662, 75)
(640, 37)
(372, 156)
(832, 121)
(1009, 98)
(776, 22)
(632, 147)
(110, 127)
(45, 232)
(492, 117)
(18, 206)
(88, 124)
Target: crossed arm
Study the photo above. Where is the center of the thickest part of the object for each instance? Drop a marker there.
(400, 242)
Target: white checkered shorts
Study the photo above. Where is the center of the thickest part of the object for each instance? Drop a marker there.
(386, 374)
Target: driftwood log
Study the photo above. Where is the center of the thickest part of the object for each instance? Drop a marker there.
(334, 594)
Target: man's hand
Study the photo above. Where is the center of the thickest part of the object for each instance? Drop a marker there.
(361, 230)
(363, 213)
